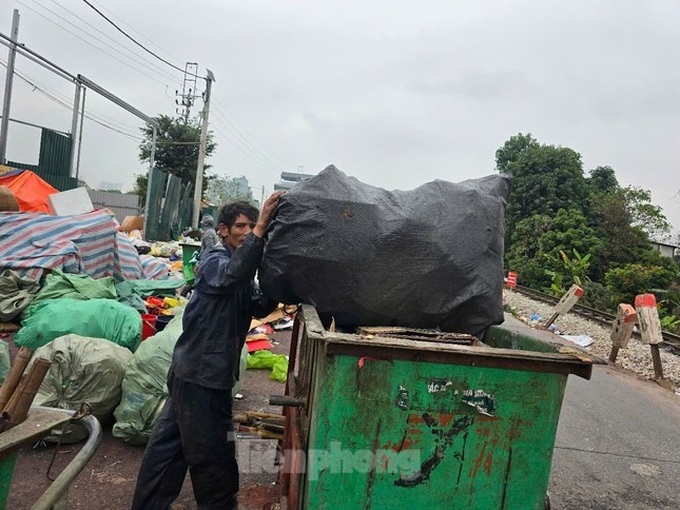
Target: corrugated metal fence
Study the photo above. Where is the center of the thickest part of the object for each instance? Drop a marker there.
(121, 205)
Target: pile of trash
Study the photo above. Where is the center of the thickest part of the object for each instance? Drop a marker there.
(103, 306)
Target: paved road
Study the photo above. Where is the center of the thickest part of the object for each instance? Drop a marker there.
(631, 431)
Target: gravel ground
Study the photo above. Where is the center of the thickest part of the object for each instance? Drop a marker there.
(637, 357)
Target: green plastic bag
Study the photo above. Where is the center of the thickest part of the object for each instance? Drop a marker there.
(94, 318)
(267, 359)
(4, 361)
(144, 385)
(83, 370)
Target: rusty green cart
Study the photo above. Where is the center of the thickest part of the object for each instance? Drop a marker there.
(399, 419)
(38, 424)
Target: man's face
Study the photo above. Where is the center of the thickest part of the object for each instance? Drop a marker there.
(233, 237)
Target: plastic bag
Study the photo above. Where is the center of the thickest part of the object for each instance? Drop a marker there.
(429, 257)
(267, 359)
(84, 370)
(4, 361)
(94, 318)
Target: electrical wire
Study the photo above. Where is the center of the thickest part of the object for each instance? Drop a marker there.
(183, 71)
(143, 61)
(140, 34)
(220, 117)
(65, 104)
(238, 126)
(242, 148)
(89, 43)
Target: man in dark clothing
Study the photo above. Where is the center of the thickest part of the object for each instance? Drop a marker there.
(209, 237)
(195, 428)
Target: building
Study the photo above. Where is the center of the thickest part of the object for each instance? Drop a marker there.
(290, 179)
(666, 249)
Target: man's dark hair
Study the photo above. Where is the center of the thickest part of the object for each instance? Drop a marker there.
(231, 211)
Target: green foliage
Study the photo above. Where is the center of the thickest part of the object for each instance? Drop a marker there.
(603, 180)
(596, 295)
(564, 228)
(626, 282)
(546, 178)
(539, 246)
(228, 189)
(176, 150)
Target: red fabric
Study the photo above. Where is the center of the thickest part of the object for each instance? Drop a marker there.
(30, 191)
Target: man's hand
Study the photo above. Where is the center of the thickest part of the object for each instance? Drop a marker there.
(266, 213)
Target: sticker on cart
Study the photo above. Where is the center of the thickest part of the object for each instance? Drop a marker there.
(438, 385)
(483, 402)
(402, 398)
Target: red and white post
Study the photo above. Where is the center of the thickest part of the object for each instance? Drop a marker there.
(565, 304)
(650, 328)
(622, 329)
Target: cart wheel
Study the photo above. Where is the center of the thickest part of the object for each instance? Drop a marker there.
(546, 503)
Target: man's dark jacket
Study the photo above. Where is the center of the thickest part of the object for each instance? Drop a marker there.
(217, 318)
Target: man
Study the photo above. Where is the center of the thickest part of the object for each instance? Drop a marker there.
(209, 237)
(195, 428)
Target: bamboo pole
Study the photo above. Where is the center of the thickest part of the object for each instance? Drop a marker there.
(21, 400)
(14, 377)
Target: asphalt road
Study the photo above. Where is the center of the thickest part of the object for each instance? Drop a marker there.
(617, 446)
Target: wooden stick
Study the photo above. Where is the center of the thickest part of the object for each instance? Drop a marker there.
(14, 377)
(21, 400)
(265, 416)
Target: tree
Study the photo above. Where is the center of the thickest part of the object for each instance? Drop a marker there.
(176, 150)
(540, 244)
(228, 189)
(603, 180)
(546, 179)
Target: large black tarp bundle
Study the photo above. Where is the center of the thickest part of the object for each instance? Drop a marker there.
(429, 257)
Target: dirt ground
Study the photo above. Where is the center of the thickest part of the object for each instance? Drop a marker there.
(108, 480)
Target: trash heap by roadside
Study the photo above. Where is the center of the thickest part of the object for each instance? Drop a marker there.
(105, 308)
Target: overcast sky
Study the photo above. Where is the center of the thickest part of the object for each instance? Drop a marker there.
(394, 93)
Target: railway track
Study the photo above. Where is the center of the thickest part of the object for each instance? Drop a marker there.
(671, 340)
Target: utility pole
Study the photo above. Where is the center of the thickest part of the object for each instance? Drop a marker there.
(74, 129)
(198, 190)
(9, 80)
(188, 90)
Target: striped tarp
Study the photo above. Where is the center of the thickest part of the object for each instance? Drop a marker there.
(87, 243)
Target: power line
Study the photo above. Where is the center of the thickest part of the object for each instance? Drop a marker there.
(141, 35)
(220, 117)
(236, 124)
(54, 96)
(142, 61)
(135, 41)
(93, 45)
(250, 154)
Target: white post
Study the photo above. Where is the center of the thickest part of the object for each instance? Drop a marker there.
(9, 80)
(565, 304)
(622, 329)
(74, 129)
(198, 190)
(650, 328)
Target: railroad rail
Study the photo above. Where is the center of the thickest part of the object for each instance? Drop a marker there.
(671, 340)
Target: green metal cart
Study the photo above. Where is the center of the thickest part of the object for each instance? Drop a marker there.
(408, 419)
(38, 424)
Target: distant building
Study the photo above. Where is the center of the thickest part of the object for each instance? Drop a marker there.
(243, 185)
(110, 186)
(290, 179)
(666, 249)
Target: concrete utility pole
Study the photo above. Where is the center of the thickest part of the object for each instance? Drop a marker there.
(198, 190)
(74, 129)
(9, 80)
